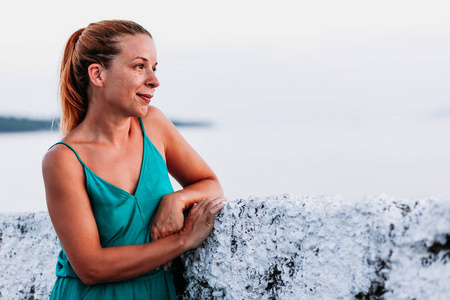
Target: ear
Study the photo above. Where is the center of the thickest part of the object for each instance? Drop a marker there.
(96, 74)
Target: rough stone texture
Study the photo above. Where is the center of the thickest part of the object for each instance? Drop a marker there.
(28, 252)
(318, 247)
(278, 247)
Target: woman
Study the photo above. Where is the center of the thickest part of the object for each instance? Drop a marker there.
(107, 187)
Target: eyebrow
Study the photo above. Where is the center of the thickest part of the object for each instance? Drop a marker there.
(140, 57)
(143, 58)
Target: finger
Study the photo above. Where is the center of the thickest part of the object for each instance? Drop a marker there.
(154, 235)
(213, 211)
(216, 208)
(193, 209)
(158, 234)
(208, 200)
(155, 231)
(214, 202)
(206, 203)
(216, 198)
(200, 205)
(167, 265)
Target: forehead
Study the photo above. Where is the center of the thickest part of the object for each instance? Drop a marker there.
(140, 45)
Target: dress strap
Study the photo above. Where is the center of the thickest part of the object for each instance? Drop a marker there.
(142, 126)
(79, 159)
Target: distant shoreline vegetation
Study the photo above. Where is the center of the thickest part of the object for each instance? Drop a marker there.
(16, 124)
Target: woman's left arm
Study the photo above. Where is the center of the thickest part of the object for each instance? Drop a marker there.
(187, 167)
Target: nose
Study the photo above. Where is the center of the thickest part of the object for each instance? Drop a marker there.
(152, 80)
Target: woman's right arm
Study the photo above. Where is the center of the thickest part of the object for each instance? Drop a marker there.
(74, 223)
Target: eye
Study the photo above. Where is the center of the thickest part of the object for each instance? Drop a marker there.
(140, 66)
(154, 70)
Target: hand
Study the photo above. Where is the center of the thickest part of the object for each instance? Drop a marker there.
(200, 221)
(169, 219)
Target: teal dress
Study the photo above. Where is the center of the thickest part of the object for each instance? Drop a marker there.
(122, 219)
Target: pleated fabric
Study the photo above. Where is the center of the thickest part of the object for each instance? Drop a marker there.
(122, 219)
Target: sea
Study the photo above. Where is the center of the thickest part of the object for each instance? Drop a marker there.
(403, 158)
(353, 113)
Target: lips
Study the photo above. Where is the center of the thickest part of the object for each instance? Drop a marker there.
(146, 97)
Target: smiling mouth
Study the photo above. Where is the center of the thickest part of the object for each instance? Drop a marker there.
(146, 97)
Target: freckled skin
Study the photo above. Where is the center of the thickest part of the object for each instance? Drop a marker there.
(131, 74)
(109, 139)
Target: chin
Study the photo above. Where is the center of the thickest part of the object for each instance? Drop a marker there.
(143, 111)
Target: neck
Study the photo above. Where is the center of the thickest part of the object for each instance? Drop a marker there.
(106, 127)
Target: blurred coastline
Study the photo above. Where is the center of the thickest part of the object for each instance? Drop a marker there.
(16, 124)
(402, 158)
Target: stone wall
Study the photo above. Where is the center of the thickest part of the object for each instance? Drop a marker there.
(28, 252)
(278, 247)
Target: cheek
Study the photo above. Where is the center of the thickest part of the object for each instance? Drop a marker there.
(122, 81)
(124, 84)
(130, 83)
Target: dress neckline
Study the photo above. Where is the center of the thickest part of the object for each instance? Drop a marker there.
(115, 186)
(109, 183)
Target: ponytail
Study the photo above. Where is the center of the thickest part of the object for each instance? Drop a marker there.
(97, 43)
(73, 104)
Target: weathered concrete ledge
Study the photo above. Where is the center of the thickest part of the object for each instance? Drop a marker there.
(278, 247)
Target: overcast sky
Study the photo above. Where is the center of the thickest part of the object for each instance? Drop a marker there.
(266, 63)
(234, 58)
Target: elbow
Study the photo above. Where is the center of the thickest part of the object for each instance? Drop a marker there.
(90, 276)
(89, 279)
(215, 186)
(95, 268)
(219, 189)
(215, 180)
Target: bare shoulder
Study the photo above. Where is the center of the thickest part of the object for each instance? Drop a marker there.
(65, 190)
(59, 157)
(158, 126)
(60, 166)
(161, 130)
(155, 117)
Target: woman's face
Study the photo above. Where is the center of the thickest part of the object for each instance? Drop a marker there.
(130, 81)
